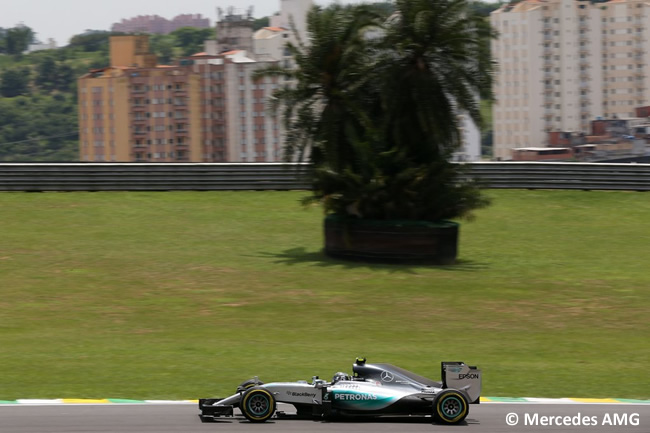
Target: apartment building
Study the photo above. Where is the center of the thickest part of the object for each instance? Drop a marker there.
(563, 63)
(205, 109)
(234, 31)
(255, 133)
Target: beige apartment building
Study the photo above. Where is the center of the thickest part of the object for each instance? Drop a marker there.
(563, 63)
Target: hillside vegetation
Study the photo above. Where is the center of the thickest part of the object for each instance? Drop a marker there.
(38, 91)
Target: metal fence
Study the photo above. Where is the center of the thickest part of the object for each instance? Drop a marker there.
(562, 175)
(151, 177)
(278, 176)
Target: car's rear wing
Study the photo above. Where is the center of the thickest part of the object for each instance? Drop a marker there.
(462, 377)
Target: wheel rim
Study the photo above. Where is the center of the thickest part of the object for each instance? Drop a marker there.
(451, 407)
(258, 405)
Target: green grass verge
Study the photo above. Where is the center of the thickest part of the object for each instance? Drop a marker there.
(185, 294)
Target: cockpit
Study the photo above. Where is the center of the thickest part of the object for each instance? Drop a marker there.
(390, 375)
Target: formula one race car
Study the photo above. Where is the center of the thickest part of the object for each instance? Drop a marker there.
(373, 390)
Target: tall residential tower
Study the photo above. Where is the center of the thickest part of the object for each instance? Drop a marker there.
(563, 63)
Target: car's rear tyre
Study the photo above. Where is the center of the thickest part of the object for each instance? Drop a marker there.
(257, 405)
(450, 407)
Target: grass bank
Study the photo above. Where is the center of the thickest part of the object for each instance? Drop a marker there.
(185, 294)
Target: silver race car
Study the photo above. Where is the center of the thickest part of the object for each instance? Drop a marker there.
(372, 390)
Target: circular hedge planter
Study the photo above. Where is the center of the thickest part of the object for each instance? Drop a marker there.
(389, 241)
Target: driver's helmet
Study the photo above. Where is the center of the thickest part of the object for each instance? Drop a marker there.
(340, 376)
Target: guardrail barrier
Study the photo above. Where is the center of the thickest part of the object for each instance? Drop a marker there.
(279, 176)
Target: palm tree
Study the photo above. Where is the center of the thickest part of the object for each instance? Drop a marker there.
(442, 65)
(375, 107)
(322, 111)
(433, 65)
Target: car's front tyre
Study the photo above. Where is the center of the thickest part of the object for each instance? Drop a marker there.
(450, 407)
(248, 384)
(257, 405)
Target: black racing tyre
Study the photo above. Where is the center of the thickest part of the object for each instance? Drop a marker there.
(248, 384)
(450, 407)
(257, 405)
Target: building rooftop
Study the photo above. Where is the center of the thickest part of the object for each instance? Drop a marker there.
(538, 149)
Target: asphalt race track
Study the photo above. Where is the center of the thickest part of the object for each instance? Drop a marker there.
(182, 418)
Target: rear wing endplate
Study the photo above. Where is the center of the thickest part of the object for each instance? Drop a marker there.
(462, 377)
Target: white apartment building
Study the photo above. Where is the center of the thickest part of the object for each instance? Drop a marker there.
(470, 140)
(293, 13)
(250, 133)
(563, 63)
(254, 134)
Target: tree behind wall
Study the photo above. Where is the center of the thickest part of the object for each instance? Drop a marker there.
(16, 40)
(376, 102)
(14, 82)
